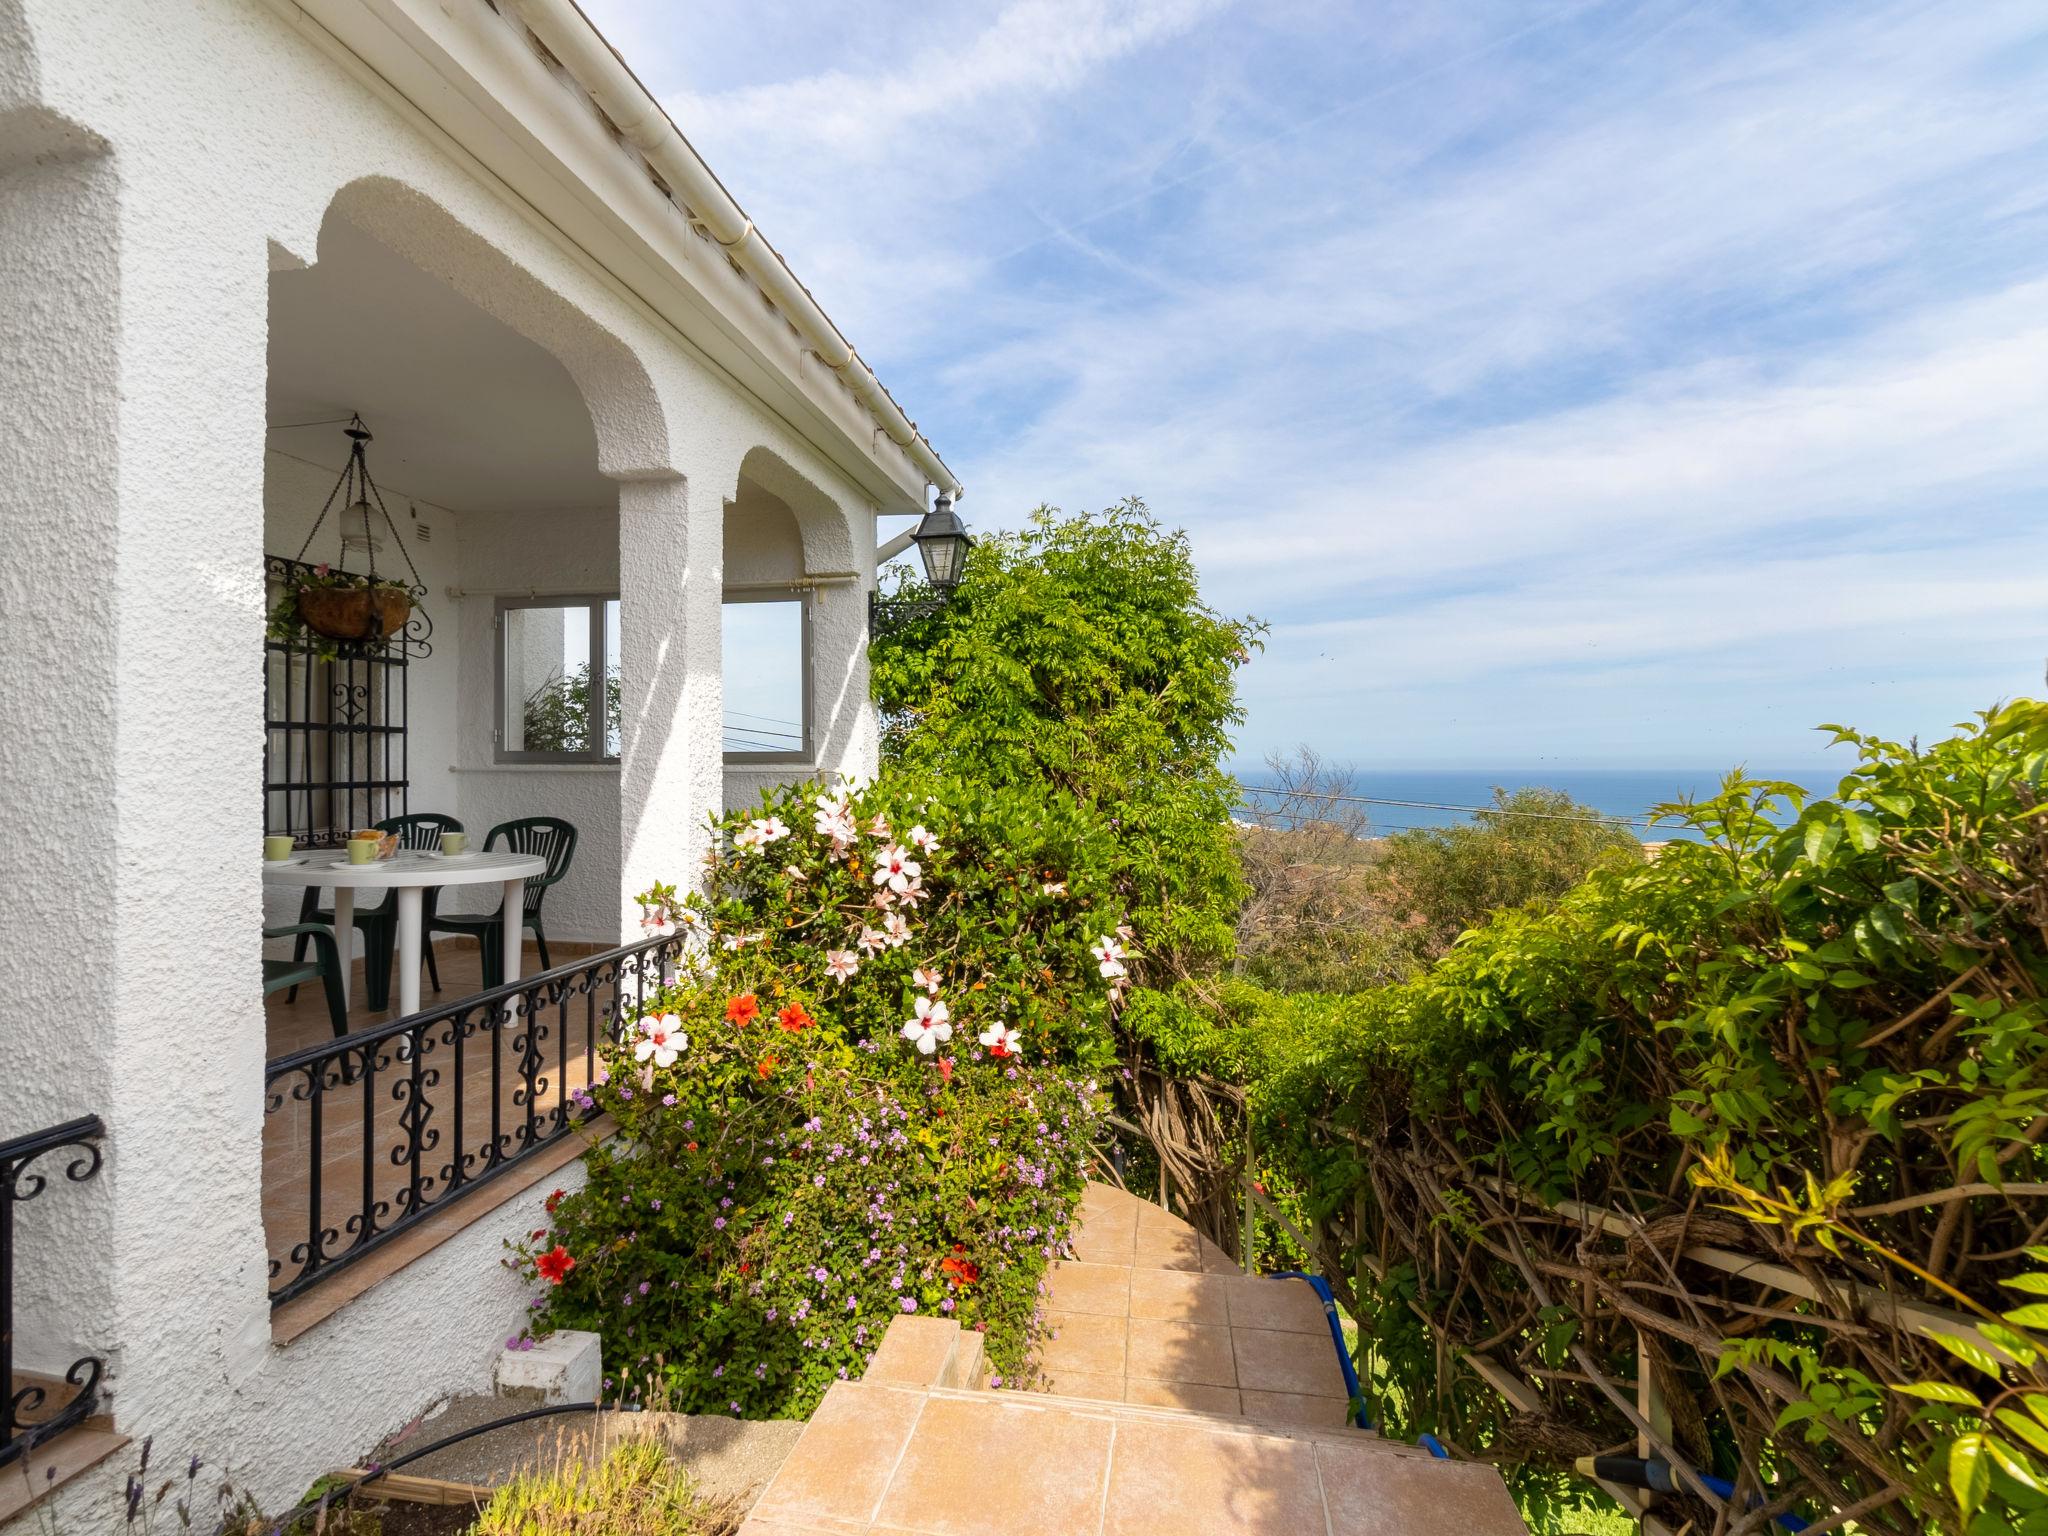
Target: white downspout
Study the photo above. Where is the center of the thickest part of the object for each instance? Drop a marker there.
(597, 68)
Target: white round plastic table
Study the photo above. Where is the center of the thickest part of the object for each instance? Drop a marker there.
(408, 873)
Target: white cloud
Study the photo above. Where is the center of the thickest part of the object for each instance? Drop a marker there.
(1650, 374)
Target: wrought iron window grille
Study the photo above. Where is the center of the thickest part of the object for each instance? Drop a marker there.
(28, 1415)
(480, 1085)
(335, 753)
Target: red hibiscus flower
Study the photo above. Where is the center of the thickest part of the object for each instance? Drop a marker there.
(793, 1018)
(958, 1269)
(556, 1199)
(766, 1066)
(742, 1009)
(946, 1068)
(554, 1265)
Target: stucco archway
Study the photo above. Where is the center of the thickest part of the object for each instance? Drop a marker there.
(632, 430)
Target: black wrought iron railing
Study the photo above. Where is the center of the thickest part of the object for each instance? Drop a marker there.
(34, 1409)
(367, 1136)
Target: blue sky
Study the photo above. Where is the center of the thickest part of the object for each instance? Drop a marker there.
(1589, 383)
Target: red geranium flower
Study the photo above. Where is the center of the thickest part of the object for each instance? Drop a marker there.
(741, 1009)
(793, 1018)
(765, 1066)
(554, 1266)
(946, 1068)
(556, 1199)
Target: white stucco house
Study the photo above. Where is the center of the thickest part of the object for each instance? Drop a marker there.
(609, 425)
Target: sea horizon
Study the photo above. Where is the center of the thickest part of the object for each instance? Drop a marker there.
(1444, 797)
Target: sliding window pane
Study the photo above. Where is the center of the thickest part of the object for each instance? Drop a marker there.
(764, 677)
(546, 672)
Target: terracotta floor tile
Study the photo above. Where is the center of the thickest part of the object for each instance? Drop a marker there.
(1183, 1394)
(1195, 1481)
(1152, 1219)
(1293, 1408)
(1107, 1197)
(1371, 1493)
(1083, 1342)
(1163, 1248)
(1106, 1239)
(841, 1465)
(1285, 1306)
(990, 1467)
(1269, 1361)
(1181, 1352)
(1104, 1289)
(1174, 1295)
(1097, 1386)
(1216, 1262)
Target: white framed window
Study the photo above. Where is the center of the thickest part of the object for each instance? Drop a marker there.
(767, 646)
(558, 679)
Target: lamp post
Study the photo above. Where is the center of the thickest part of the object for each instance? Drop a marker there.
(942, 543)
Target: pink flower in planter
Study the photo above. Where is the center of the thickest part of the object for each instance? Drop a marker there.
(927, 977)
(841, 964)
(923, 841)
(1109, 956)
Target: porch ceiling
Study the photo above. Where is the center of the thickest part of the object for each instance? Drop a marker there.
(467, 413)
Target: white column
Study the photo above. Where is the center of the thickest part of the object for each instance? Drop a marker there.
(60, 477)
(671, 570)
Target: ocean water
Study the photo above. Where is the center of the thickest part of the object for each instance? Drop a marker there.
(1624, 793)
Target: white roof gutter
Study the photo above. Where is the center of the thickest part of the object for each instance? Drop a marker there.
(596, 66)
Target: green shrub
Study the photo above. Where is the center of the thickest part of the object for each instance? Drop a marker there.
(793, 1170)
(1816, 1038)
(1077, 665)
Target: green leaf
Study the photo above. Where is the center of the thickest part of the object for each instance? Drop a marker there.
(1970, 1354)
(1937, 1392)
(1969, 1473)
(1861, 830)
(2033, 1315)
(2023, 1426)
(2013, 1342)
(2034, 1282)
(2014, 1464)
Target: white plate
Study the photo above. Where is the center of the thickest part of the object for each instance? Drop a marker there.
(297, 858)
(456, 858)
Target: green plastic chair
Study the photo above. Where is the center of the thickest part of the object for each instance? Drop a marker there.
(545, 837)
(379, 924)
(325, 968)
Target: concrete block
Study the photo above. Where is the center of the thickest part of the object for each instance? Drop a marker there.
(915, 1352)
(565, 1367)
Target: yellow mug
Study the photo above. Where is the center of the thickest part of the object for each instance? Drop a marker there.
(453, 843)
(362, 850)
(276, 849)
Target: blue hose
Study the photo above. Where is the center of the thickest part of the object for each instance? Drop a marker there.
(1322, 1289)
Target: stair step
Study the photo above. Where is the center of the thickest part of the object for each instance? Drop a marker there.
(878, 1458)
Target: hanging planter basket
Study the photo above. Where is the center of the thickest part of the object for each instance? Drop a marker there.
(355, 613)
(337, 607)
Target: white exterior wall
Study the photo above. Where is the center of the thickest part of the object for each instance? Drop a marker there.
(165, 157)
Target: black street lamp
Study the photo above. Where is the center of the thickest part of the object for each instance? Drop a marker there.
(942, 543)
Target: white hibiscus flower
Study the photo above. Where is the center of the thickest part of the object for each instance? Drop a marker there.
(661, 1040)
(930, 1025)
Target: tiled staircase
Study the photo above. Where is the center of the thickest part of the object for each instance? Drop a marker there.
(1186, 1398)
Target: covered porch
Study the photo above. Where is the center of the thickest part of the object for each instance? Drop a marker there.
(553, 629)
